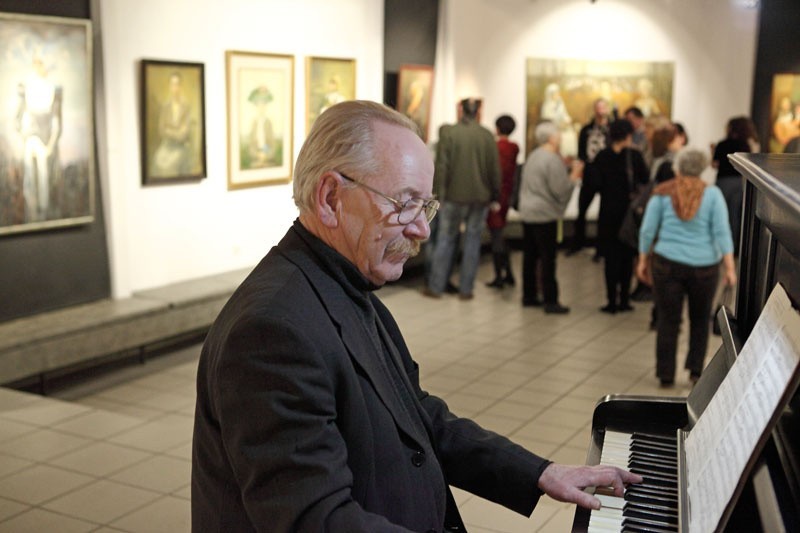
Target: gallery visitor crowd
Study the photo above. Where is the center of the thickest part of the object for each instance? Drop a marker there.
(646, 176)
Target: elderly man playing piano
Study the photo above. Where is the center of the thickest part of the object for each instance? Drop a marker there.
(310, 415)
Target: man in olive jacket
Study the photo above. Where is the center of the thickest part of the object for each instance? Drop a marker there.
(310, 415)
(468, 182)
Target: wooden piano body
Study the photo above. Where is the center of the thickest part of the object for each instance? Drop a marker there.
(769, 499)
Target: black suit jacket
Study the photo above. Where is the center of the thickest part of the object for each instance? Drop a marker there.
(299, 425)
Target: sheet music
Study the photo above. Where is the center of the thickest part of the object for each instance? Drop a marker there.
(725, 435)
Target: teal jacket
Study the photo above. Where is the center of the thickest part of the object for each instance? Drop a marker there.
(467, 164)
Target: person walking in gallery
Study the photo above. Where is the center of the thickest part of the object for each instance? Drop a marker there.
(688, 221)
(592, 138)
(496, 220)
(468, 174)
(616, 173)
(545, 190)
(310, 415)
(740, 137)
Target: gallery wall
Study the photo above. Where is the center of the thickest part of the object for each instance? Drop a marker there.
(712, 44)
(52, 268)
(169, 233)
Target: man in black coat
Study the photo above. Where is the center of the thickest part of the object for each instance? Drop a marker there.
(310, 415)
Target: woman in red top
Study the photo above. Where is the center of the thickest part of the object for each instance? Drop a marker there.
(496, 219)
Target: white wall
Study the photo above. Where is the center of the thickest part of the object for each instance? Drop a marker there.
(163, 234)
(711, 42)
(159, 235)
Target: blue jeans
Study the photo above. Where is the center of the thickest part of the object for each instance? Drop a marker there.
(450, 216)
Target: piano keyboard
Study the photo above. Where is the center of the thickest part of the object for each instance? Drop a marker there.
(651, 506)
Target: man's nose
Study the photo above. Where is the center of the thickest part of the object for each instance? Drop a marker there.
(419, 228)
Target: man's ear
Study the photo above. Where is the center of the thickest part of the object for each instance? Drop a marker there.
(328, 199)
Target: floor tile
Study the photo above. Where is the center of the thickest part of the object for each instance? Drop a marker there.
(42, 444)
(100, 459)
(156, 436)
(40, 520)
(9, 508)
(40, 483)
(165, 515)
(102, 501)
(97, 424)
(44, 413)
(159, 473)
(10, 464)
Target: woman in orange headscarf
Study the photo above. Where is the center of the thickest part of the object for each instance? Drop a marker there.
(688, 221)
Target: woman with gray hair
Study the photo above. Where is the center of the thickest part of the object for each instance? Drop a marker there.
(545, 190)
(688, 221)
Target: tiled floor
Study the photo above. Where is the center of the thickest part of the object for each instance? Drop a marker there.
(114, 455)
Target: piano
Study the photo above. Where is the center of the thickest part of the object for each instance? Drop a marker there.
(639, 432)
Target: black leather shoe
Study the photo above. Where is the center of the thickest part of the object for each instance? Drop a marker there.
(556, 309)
(509, 280)
(623, 308)
(610, 309)
(532, 303)
(496, 283)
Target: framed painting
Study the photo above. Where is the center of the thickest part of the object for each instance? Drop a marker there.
(414, 93)
(784, 114)
(564, 91)
(328, 82)
(173, 122)
(46, 123)
(260, 127)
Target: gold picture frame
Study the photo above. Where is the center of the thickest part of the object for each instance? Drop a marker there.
(784, 113)
(414, 95)
(564, 90)
(173, 122)
(260, 103)
(47, 175)
(329, 81)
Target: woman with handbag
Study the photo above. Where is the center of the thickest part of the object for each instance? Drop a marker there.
(690, 220)
(618, 172)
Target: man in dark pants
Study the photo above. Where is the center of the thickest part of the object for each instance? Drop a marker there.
(593, 137)
(310, 415)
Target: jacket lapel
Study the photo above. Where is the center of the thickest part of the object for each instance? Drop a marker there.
(352, 330)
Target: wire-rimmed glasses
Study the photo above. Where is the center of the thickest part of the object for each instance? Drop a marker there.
(407, 211)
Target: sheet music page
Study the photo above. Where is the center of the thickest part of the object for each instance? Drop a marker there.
(725, 435)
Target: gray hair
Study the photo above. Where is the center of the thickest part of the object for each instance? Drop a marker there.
(690, 162)
(342, 138)
(544, 131)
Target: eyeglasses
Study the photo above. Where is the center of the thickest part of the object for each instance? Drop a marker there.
(407, 211)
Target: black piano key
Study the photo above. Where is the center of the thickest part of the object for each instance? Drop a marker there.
(644, 528)
(634, 510)
(652, 436)
(671, 492)
(655, 445)
(635, 520)
(664, 509)
(644, 447)
(642, 468)
(661, 492)
(654, 499)
(670, 462)
(654, 481)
